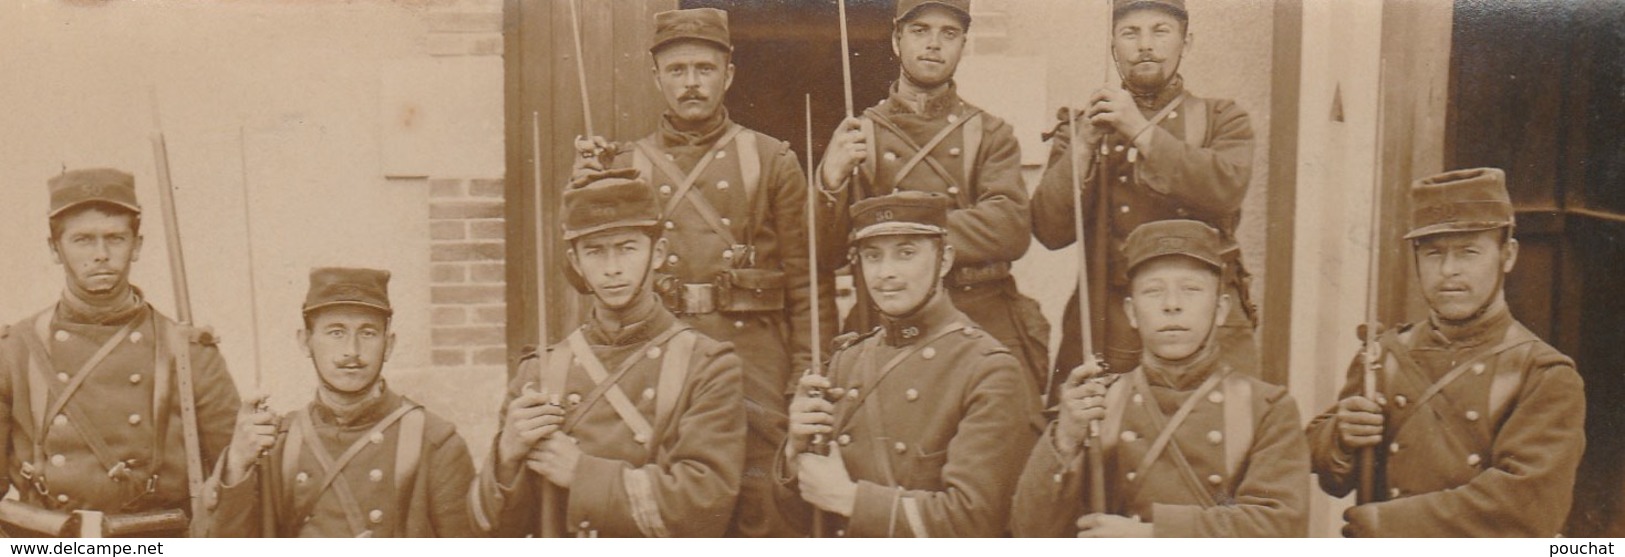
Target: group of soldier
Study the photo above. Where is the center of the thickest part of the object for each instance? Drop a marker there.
(689, 402)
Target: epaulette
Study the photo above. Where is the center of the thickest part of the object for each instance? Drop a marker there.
(204, 336)
(848, 340)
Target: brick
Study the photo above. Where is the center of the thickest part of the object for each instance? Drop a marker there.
(492, 356)
(489, 335)
(486, 188)
(447, 230)
(491, 315)
(467, 251)
(465, 22)
(465, 209)
(488, 229)
(467, 294)
(449, 357)
(448, 316)
(487, 272)
(445, 187)
(448, 273)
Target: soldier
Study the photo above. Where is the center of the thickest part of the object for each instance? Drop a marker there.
(734, 210)
(96, 423)
(1190, 445)
(360, 460)
(636, 415)
(929, 417)
(1172, 155)
(1478, 425)
(923, 137)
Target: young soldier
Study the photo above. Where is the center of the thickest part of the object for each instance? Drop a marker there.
(95, 418)
(734, 206)
(1171, 155)
(1478, 424)
(1190, 446)
(636, 416)
(360, 460)
(925, 138)
(929, 418)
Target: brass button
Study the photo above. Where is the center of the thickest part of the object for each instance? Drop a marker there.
(58, 460)
(62, 498)
(135, 337)
(1215, 437)
(953, 118)
(1173, 115)
(1215, 397)
(62, 376)
(654, 352)
(671, 259)
(852, 393)
(1124, 209)
(1129, 436)
(1123, 179)
(739, 324)
(1478, 368)
(1057, 478)
(1118, 148)
(1393, 448)
(954, 152)
(844, 439)
(573, 398)
(671, 157)
(135, 378)
(722, 184)
(649, 394)
(135, 419)
(376, 516)
(1393, 493)
(912, 395)
(900, 447)
(1131, 476)
(665, 189)
(928, 353)
(953, 190)
(671, 225)
(376, 438)
(301, 477)
(1474, 459)
(1137, 398)
(61, 335)
(60, 420)
(727, 254)
(1472, 415)
(1401, 400)
(727, 221)
(889, 156)
(722, 154)
(1215, 479)
(585, 524)
(375, 475)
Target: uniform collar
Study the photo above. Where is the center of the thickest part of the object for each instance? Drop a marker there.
(929, 106)
(709, 133)
(327, 410)
(937, 313)
(1161, 97)
(126, 308)
(640, 322)
(1183, 375)
(1490, 326)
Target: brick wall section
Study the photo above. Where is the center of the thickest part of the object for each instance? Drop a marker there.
(466, 254)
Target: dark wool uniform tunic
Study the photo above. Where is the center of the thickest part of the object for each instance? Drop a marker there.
(771, 218)
(116, 405)
(1261, 491)
(682, 483)
(1184, 177)
(935, 444)
(989, 226)
(1493, 453)
(386, 501)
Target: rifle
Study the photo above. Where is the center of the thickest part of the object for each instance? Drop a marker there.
(180, 344)
(267, 501)
(812, 273)
(550, 526)
(1371, 352)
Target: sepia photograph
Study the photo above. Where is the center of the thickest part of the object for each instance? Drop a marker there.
(812, 269)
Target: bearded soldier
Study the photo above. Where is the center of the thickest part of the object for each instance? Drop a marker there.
(1169, 155)
(928, 417)
(923, 137)
(1189, 445)
(359, 460)
(95, 423)
(635, 418)
(733, 206)
(1478, 425)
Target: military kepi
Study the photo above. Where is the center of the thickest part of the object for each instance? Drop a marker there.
(902, 213)
(612, 201)
(907, 8)
(92, 185)
(335, 286)
(1189, 238)
(699, 24)
(1460, 201)
(1176, 7)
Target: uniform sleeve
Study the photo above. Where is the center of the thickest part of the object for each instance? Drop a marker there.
(217, 402)
(1213, 179)
(691, 488)
(1050, 494)
(1333, 466)
(506, 507)
(1054, 198)
(790, 218)
(10, 349)
(1528, 487)
(983, 462)
(238, 507)
(1271, 499)
(450, 471)
(834, 214)
(997, 228)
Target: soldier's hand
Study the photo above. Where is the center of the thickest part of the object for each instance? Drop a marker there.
(1082, 401)
(1112, 526)
(555, 459)
(848, 148)
(825, 483)
(1114, 108)
(1359, 423)
(1089, 135)
(810, 415)
(254, 434)
(531, 416)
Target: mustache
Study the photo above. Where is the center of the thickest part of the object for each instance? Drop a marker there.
(692, 96)
(354, 362)
(1147, 58)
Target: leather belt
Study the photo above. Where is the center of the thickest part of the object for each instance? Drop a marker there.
(92, 524)
(699, 298)
(972, 275)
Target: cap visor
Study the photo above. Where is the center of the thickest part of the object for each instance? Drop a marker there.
(59, 211)
(897, 229)
(573, 234)
(324, 305)
(1453, 227)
